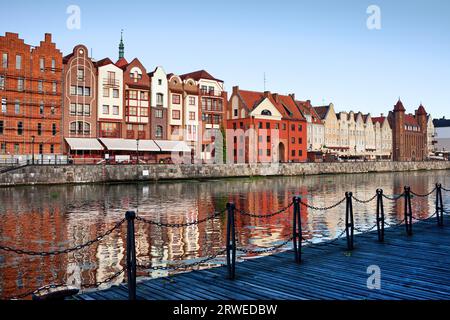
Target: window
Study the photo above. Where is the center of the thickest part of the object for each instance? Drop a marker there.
(39, 129)
(144, 112)
(20, 128)
(191, 115)
(1, 126)
(133, 111)
(73, 109)
(293, 153)
(115, 93)
(300, 140)
(42, 64)
(20, 84)
(87, 110)
(4, 104)
(73, 90)
(16, 148)
(129, 127)
(79, 109)
(204, 89)
(211, 90)
(235, 112)
(159, 99)
(268, 152)
(80, 74)
(267, 125)
(5, 60)
(192, 101)
(176, 99)
(54, 129)
(300, 128)
(106, 92)
(116, 110)
(2, 82)
(159, 132)
(300, 153)
(293, 140)
(158, 114)
(144, 95)
(266, 113)
(41, 107)
(41, 148)
(87, 91)
(105, 109)
(160, 82)
(176, 114)
(53, 65)
(80, 91)
(3, 148)
(52, 149)
(41, 86)
(293, 127)
(18, 62)
(284, 126)
(17, 107)
(54, 87)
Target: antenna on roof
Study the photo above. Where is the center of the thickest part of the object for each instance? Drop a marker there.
(264, 82)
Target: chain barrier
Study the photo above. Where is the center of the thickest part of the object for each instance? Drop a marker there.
(340, 236)
(423, 195)
(65, 251)
(445, 189)
(265, 250)
(323, 208)
(263, 216)
(394, 224)
(365, 201)
(425, 219)
(393, 198)
(365, 230)
(180, 225)
(181, 266)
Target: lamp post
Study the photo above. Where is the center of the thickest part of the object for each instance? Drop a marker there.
(137, 151)
(32, 149)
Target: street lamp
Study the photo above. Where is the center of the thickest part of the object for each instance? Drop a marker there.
(137, 151)
(32, 149)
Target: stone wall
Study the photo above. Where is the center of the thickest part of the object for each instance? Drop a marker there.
(122, 173)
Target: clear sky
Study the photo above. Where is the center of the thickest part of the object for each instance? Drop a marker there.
(320, 50)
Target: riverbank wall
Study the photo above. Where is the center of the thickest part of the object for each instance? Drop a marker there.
(82, 174)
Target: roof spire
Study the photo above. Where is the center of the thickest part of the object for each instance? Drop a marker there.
(121, 46)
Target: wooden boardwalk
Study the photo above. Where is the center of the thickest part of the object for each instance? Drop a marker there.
(415, 267)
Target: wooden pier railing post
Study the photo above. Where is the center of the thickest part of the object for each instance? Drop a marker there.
(380, 215)
(231, 241)
(131, 255)
(349, 221)
(408, 211)
(439, 205)
(297, 230)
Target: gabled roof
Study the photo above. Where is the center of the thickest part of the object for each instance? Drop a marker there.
(421, 111)
(103, 62)
(399, 106)
(251, 99)
(410, 120)
(122, 63)
(288, 105)
(200, 74)
(380, 120)
(307, 109)
(322, 111)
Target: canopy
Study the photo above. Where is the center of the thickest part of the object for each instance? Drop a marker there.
(129, 145)
(84, 144)
(173, 146)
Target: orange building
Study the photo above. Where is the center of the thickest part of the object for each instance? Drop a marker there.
(30, 90)
(265, 127)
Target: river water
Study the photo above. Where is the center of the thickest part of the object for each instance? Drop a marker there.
(45, 218)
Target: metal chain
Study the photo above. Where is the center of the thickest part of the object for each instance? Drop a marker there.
(268, 215)
(58, 252)
(265, 250)
(325, 242)
(394, 198)
(395, 224)
(425, 219)
(364, 201)
(107, 280)
(366, 230)
(324, 208)
(423, 195)
(445, 189)
(181, 266)
(180, 225)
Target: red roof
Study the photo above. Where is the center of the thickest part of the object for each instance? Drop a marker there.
(399, 106)
(380, 120)
(410, 120)
(289, 108)
(122, 63)
(322, 111)
(197, 75)
(421, 111)
(251, 98)
(103, 62)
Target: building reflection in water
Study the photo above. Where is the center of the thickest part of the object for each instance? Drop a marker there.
(46, 218)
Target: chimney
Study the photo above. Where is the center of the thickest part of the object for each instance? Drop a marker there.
(235, 89)
(293, 96)
(382, 115)
(48, 37)
(266, 94)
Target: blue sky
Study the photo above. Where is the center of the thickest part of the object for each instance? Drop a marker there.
(319, 50)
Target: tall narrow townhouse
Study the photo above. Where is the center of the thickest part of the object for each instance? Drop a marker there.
(383, 137)
(110, 113)
(191, 113)
(176, 115)
(159, 104)
(343, 146)
(369, 135)
(212, 106)
(316, 128)
(80, 95)
(136, 100)
(331, 125)
(31, 96)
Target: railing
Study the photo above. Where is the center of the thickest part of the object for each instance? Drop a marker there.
(132, 265)
(111, 82)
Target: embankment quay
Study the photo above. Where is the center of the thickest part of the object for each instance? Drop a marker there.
(80, 174)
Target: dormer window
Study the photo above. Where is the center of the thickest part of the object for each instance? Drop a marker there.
(266, 113)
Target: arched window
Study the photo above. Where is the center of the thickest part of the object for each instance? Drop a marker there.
(266, 113)
(80, 128)
(159, 132)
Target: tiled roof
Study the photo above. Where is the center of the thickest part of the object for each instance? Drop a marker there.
(399, 106)
(322, 111)
(103, 62)
(378, 119)
(421, 111)
(307, 109)
(289, 107)
(200, 74)
(122, 63)
(251, 98)
(410, 120)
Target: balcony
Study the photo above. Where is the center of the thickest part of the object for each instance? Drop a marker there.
(109, 134)
(111, 83)
(130, 134)
(211, 93)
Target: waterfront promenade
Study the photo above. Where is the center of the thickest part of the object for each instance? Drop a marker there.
(412, 267)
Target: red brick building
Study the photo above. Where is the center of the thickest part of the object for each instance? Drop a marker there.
(30, 90)
(79, 95)
(409, 134)
(266, 127)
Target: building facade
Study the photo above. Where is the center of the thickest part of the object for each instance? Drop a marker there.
(30, 90)
(315, 126)
(159, 104)
(409, 134)
(265, 127)
(383, 137)
(79, 95)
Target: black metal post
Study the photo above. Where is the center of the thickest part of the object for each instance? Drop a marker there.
(32, 149)
(131, 255)
(349, 221)
(231, 241)
(297, 230)
(439, 205)
(380, 215)
(408, 211)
